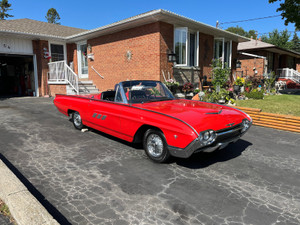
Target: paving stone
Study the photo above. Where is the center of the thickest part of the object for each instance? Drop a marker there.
(92, 178)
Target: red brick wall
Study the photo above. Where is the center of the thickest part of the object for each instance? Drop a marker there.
(166, 44)
(111, 61)
(206, 54)
(42, 65)
(72, 56)
(249, 63)
(55, 89)
(234, 57)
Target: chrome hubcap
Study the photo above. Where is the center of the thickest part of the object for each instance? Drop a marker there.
(77, 119)
(155, 145)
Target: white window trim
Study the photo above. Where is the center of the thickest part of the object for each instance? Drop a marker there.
(57, 43)
(223, 51)
(196, 63)
(230, 55)
(186, 45)
(197, 49)
(82, 75)
(36, 84)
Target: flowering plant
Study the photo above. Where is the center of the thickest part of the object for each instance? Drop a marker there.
(187, 87)
(239, 81)
(171, 82)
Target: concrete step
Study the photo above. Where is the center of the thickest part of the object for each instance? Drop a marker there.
(85, 87)
(85, 82)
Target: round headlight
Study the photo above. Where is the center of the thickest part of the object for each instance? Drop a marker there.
(206, 135)
(246, 125)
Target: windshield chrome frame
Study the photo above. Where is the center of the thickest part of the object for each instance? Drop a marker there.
(166, 90)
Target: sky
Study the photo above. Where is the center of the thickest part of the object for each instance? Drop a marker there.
(91, 14)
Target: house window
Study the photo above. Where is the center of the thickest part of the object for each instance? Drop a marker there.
(57, 52)
(181, 45)
(223, 51)
(186, 47)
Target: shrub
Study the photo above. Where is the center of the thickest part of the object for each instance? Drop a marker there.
(220, 73)
(255, 94)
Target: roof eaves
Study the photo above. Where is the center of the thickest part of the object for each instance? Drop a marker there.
(153, 13)
(32, 34)
(203, 24)
(121, 22)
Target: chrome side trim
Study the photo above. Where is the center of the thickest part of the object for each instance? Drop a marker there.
(214, 112)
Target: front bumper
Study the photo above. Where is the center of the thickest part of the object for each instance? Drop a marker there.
(224, 138)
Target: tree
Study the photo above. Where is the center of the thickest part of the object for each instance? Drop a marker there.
(280, 39)
(4, 7)
(295, 43)
(52, 16)
(240, 31)
(290, 11)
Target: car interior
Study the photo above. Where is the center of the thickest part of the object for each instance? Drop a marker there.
(108, 95)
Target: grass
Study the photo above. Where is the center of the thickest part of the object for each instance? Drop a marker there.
(4, 210)
(279, 104)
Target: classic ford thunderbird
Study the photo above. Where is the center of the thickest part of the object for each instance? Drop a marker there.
(147, 112)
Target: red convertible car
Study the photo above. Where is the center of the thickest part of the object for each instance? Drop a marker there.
(147, 112)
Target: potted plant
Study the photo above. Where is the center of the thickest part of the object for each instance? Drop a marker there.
(172, 85)
(187, 88)
(239, 82)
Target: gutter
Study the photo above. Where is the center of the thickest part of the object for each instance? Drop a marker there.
(252, 55)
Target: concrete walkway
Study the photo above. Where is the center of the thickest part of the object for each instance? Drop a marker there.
(23, 206)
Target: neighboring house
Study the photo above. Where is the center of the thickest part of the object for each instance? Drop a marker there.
(258, 58)
(134, 48)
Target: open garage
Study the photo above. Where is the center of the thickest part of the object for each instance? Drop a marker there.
(17, 75)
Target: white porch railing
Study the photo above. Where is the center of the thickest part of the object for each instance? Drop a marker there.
(291, 74)
(61, 73)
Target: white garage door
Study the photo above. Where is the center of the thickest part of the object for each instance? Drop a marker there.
(15, 46)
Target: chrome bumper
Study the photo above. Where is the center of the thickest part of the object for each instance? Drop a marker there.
(223, 139)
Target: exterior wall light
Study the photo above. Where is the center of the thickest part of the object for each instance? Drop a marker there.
(238, 64)
(89, 47)
(171, 56)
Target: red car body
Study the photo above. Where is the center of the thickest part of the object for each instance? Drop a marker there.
(182, 122)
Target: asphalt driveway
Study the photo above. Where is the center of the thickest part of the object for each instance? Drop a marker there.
(92, 178)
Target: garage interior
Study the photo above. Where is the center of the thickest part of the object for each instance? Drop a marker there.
(16, 75)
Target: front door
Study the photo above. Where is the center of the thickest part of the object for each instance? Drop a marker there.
(82, 60)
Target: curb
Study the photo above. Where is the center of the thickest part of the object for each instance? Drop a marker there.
(272, 120)
(24, 207)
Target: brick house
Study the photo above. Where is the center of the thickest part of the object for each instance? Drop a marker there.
(134, 48)
(258, 58)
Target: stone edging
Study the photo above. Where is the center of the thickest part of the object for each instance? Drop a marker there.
(272, 120)
(24, 207)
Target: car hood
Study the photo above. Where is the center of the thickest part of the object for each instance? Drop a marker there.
(200, 115)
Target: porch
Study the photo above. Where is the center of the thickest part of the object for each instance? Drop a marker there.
(63, 80)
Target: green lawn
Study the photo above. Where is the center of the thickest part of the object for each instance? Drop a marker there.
(279, 104)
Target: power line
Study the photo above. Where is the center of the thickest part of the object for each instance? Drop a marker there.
(261, 18)
(279, 31)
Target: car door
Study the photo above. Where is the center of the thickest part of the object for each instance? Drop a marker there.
(103, 115)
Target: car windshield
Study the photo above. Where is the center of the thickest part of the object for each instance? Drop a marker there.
(146, 91)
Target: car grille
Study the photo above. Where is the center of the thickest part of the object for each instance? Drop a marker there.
(228, 133)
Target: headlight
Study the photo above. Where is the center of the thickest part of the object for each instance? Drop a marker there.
(207, 137)
(246, 124)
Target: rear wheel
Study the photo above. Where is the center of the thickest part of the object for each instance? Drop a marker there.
(76, 119)
(155, 146)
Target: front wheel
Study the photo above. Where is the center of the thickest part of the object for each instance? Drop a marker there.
(76, 119)
(155, 146)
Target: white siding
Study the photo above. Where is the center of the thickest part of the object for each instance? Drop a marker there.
(15, 46)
